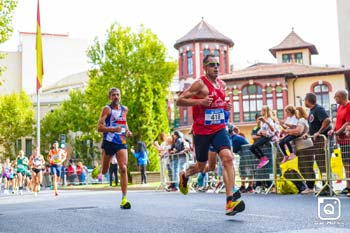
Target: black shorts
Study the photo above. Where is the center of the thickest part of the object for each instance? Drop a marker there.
(36, 170)
(219, 140)
(112, 148)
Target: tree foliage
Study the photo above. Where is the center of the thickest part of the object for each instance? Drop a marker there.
(16, 121)
(6, 14)
(72, 117)
(137, 64)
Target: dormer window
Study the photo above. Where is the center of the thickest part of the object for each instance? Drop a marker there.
(292, 58)
(287, 58)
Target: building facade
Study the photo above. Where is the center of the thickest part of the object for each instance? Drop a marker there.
(343, 10)
(277, 85)
(203, 39)
(64, 59)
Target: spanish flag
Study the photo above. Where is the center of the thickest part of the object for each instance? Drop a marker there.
(39, 53)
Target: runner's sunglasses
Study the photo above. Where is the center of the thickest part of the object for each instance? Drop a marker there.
(213, 64)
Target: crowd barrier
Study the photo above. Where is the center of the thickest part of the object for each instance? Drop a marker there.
(170, 166)
(321, 165)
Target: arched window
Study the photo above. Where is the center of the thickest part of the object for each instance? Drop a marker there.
(217, 53)
(182, 64)
(279, 102)
(206, 52)
(236, 109)
(225, 62)
(189, 63)
(252, 101)
(269, 97)
(322, 93)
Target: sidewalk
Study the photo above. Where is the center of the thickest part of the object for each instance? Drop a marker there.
(95, 187)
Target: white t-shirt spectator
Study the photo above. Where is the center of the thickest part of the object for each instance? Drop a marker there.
(291, 121)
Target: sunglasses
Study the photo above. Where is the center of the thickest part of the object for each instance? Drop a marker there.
(213, 64)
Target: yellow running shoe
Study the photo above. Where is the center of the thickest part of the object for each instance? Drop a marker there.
(125, 204)
(234, 207)
(183, 186)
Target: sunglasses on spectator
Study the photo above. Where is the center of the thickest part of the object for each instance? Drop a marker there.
(213, 64)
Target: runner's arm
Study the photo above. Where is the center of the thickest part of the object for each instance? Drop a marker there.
(101, 127)
(185, 99)
(127, 131)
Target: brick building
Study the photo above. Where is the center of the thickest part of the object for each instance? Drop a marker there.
(276, 85)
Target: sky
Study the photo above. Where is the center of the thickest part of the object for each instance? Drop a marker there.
(254, 25)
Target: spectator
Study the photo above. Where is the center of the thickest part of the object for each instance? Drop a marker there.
(237, 141)
(71, 172)
(267, 132)
(319, 123)
(47, 177)
(289, 123)
(305, 163)
(81, 172)
(163, 152)
(141, 154)
(178, 160)
(113, 170)
(339, 130)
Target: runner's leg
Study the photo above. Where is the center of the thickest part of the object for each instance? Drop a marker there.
(122, 158)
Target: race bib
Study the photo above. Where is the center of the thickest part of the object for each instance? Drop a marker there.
(37, 162)
(20, 166)
(56, 159)
(122, 126)
(214, 116)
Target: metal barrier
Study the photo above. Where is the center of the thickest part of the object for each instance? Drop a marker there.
(170, 166)
(313, 164)
(339, 156)
(246, 167)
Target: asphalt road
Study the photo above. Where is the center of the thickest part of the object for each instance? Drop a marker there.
(98, 211)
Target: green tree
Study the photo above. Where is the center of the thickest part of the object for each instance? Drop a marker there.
(16, 121)
(71, 117)
(138, 65)
(6, 14)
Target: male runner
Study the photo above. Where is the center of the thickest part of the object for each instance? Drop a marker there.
(115, 129)
(56, 157)
(207, 98)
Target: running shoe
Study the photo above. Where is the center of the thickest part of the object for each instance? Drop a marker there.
(200, 179)
(234, 207)
(183, 183)
(56, 194)
(125, 204)
(263, 162)
(236, 195)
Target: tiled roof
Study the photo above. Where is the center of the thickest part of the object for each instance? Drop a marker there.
(282, 70)
(203, 32)
(293, 41)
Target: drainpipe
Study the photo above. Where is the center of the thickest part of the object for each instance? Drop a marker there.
(294, 80)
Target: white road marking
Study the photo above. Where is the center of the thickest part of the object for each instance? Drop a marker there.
(246, 214)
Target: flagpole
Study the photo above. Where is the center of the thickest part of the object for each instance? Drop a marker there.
(38, 121)
(40, 73)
